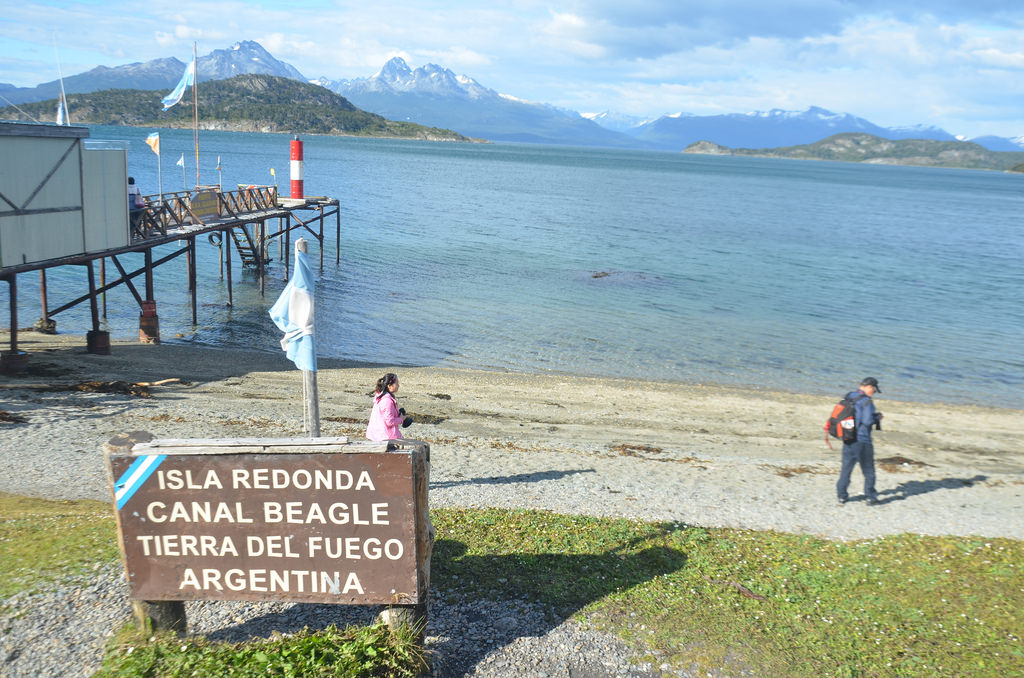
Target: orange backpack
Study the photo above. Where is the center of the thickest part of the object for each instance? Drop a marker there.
(841, 424)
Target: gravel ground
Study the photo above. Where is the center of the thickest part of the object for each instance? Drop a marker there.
(62, 633)
(696, 454)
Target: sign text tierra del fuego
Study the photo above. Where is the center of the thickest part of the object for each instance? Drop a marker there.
(301, 527)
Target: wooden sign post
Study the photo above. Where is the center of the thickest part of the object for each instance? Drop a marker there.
(293, 519)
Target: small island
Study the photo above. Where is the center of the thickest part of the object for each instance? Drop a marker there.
(867, 148)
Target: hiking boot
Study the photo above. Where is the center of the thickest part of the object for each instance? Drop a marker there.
(842, 500)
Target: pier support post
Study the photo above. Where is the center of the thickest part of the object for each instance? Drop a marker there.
(260, 260)
(149, 323)
(45, 324)
(13, 361)
(228, 237)
(288, 247)
(97, 341)
(192, 279)
(103, 284)
(149, 273)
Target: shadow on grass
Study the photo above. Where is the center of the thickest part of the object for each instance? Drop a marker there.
(479, 603)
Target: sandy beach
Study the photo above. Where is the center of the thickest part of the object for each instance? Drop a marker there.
(697, 453)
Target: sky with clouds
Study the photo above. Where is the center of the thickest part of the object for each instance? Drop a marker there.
(956, 65)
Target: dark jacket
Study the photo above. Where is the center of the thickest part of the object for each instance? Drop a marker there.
(864, 415)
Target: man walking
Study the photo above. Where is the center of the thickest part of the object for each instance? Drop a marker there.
(861, 451)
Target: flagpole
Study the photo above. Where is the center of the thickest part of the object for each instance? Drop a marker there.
(310, 393)
(153, 141)
(195, 109)
(160, 176)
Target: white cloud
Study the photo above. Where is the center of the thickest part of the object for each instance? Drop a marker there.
(456, 58)
(566, 32)
(892, 61)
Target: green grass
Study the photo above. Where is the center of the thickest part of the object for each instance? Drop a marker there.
(357, 652)
(777, 604)
(43, 542)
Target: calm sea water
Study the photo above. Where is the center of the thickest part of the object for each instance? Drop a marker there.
(798, 275)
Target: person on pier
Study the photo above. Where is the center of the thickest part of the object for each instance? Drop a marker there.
(136, 203)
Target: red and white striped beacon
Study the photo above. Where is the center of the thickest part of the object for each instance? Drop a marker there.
(297, 169)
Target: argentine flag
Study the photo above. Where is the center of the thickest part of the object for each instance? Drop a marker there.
(293, 313)
(188, 78)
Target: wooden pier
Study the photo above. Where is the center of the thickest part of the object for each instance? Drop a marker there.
(247, 219)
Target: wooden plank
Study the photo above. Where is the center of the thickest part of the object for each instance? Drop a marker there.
(254, 445)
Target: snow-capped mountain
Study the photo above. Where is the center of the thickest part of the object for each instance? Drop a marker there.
(919, 132)
(766, 129)
(994, 143)
(247, 56)
(435, 96)
(243, 57)
(396, 77)
(620, 122)
(778, 127)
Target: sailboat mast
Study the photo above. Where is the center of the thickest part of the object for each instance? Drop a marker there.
(60, 76)
(195, 110)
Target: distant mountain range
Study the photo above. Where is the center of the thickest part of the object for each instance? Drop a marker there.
(435, 96)
(431, 94)
(246, 103)
(770, 129)
(220, 64)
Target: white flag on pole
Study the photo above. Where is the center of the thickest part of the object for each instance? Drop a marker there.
(294, 314)
(188, 78)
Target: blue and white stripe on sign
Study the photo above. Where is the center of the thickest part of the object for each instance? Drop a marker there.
(132, 479)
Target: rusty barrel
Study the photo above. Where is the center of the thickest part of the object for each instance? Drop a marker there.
(149, 329)
(13, 362)
(98, 342)
(149, 323)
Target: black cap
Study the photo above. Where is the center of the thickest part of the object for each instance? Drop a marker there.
(871, 381)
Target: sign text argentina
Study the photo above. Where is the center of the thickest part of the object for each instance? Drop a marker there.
(321, 527)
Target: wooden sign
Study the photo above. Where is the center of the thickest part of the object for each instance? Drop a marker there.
(205, 205)
(304, 520)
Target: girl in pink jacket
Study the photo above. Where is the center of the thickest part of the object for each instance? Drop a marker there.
(386, 418)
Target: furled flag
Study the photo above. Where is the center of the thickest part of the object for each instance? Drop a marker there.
(218, 163)
(294, 312)
(61, 118)
(153, 141)
(181, 161)
(272, 172)
(188, 78)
